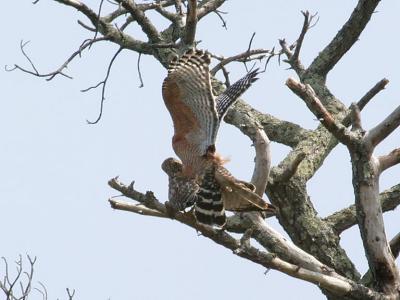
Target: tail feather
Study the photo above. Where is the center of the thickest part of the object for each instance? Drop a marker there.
(209, 207)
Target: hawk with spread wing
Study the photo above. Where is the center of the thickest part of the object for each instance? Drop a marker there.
(201, 180)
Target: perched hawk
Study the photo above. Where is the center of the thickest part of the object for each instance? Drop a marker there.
(201, 179)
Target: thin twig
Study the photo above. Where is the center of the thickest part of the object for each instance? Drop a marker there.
(299, 43)
(103, 83)
(59, 71)
(241, 57)
(98, 22)
(139, 71)
(218, 13)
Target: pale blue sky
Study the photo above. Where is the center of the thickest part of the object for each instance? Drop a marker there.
(54, 167)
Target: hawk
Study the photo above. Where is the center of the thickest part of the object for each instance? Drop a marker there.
(196, 113)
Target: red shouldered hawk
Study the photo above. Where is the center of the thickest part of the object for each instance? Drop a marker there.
(196, 113)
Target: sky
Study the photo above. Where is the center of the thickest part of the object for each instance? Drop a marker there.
(54, 167)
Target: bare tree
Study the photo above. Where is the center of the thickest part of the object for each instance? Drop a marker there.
(21, 286)
(314, 253)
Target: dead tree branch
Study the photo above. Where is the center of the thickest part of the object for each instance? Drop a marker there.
(344, 39)
(346, 218)
(21, 286)
(366, 172)
(207, 7)
(103, 89)
(328, 280)
(306, 93)
(372, 93)
(293, 58)
(241, 57)
(383, 129)
(137, 14)
(389, 160)
(51, 75)
(191, 23)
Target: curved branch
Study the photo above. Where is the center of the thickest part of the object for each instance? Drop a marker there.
(103, 90)
(262, 162)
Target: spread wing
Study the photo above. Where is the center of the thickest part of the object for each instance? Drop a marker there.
(239, 195)
(233, 92)
(189, 99)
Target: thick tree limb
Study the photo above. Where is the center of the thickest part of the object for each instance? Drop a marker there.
(370, 220)
(306, 93)
(191, 23)
(135, 208)
(207, 6)
(346, 218)
(173, 17)
(372, 93)
(389, 160)
(366, 187)
(279, 131)
(395, 245)
(344, 39)
(147, 26)
(262, 162)
(287, 168)
(383, 129)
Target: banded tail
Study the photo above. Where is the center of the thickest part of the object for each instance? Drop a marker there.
(209, 207)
